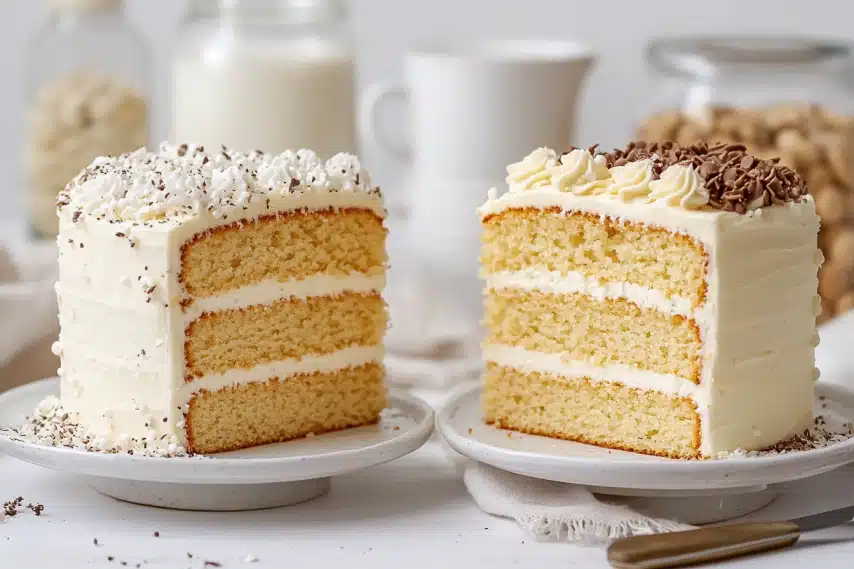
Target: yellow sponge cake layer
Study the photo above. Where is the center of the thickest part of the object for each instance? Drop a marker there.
(603, 413)
(284, 409)
(597, 332)
(283, 247)
(602, 248)
(246, 337)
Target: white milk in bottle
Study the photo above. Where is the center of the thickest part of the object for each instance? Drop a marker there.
(266, 75)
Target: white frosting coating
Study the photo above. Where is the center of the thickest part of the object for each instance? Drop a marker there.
(269, 291)
(758, 321)
(580, 173)
(534, 171)
(348, 357)
(559, 283)
(122, 326)
(177, 183)
(680, 185)
(531, 361)
(631, 181)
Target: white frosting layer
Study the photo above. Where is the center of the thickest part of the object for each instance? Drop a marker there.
(122, 326)
(580, 173)
(269, 291)
(348, 357)
(177, 183)
(758, 321)
(531, 361)
(572, 282)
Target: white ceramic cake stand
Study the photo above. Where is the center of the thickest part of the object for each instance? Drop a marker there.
(262, 477)
(691, 491)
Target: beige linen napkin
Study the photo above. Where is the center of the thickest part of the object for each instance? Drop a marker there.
(555, 511)
(28, 313)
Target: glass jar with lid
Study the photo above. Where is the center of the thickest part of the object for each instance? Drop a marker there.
(265, 74)
(87, 96)
(788, 98)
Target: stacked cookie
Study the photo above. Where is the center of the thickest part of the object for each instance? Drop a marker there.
(72, 121)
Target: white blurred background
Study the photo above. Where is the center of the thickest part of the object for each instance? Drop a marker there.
(616, 95)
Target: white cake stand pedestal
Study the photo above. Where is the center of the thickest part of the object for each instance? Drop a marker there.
(269, 476)
(691, 491)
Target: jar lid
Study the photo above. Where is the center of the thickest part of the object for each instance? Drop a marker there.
(704, 56)
(279, 11)
(83, 5)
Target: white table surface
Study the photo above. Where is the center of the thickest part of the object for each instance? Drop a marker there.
(412, 513)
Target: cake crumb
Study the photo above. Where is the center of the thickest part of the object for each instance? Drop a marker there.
(821, 435)
(10, 508)
(51, 425)
(37, 509)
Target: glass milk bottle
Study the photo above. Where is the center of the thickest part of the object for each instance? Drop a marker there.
(265, 74)
(88, 81)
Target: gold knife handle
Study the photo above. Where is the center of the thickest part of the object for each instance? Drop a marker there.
(678, 549)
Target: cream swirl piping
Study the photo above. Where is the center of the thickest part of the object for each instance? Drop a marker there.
(631, 180)
(680, 185)
(533, 171)
(581, 173)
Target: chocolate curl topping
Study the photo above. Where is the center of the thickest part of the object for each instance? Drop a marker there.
(734, 178)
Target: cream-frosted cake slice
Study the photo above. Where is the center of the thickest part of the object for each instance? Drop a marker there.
(214, 300)
(659, 299)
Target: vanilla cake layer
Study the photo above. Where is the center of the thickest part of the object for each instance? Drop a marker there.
(259, 334)
(131, 329)
(600, 332)
(603, 413)
(609, 259)
(282, 409)
(606, 249)
(332, 242)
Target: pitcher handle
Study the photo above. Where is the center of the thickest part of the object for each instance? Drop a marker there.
(374, 98)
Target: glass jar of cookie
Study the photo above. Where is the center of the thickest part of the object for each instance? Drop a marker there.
(87, 96)
(784, 98)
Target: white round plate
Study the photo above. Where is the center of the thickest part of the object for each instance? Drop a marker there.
(625, 473)
(265, 476)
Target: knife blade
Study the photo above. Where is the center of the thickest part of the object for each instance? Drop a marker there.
(824, 520)
(704, 545)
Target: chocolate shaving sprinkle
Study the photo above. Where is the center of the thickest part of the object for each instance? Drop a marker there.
(76, 216)
(733, 177)
(37, 509)
(213, 564)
